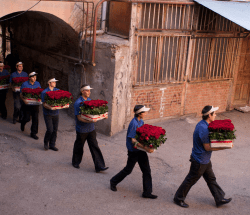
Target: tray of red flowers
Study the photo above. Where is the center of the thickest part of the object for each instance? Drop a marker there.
(150, 136)
(32, 96)
(4, 82)
(221, 133)
(17, 82)
(58, 99)
(94, 110)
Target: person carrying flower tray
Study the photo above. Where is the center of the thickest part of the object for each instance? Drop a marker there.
(85, 130)
(30, 110)
(16, 95)
(3, 93)
(135, 155)
(51, 118)
(200, 162)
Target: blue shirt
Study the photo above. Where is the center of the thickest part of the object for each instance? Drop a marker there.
(16, 74)
(27, 84)
(200, 137)
(82, 127)
(45, 110)
(133, 125)
(4, 73)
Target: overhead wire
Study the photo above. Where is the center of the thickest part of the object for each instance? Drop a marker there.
(3, 20)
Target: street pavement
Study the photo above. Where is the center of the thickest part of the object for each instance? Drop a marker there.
(38, 182)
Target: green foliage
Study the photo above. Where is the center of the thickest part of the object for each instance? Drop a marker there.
(223, 135)
(58, 102)
(152, 141)
(94, 111)
(4, 81)
(29, 95)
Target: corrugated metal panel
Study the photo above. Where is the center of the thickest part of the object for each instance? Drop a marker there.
(237, 12)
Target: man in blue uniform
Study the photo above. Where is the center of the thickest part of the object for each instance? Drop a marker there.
(3, 110)
(16, 95)
(30, 110)
(135, 155)
(200, 162)
(51, 118)
(85, 130)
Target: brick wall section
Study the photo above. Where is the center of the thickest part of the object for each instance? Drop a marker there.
(206, 93)
(164, 101)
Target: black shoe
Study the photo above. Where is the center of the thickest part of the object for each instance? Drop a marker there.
(181, 203)
(76, 165)
(150, 196)
(34, 136)
(113, 186)
(223, 202)
(101, 169)
(14, 121)
(4, 117)
(22, 127)
(53, 148)
(46, 146)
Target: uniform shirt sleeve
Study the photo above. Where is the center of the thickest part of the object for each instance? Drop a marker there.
(22, 86)
(11, 78)
(43, 95)
(204, 135)
(132, 130)
(77, 108)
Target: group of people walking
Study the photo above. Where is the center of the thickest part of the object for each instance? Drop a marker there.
(85, 130)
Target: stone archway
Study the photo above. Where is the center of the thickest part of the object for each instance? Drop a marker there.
(36, 37)
(45, 44)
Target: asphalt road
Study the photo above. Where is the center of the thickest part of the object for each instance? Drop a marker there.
(38, 182)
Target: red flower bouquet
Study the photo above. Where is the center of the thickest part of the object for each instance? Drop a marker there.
(32, 96)
(221, 133)
(151, 136)
(17, 82)
(4, 82)
(32, 93)
(94, 109)
(58, 99)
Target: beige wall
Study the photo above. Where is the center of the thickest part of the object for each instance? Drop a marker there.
(62, 10)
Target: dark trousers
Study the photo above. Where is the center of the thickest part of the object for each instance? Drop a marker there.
(52, 127)
(31, 111)
(142, 159)
(196, 171)
(3, 109)
(17, 106)
(93, 147)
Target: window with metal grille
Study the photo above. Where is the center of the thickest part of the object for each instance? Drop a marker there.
(214, 58)
(161, 59)
(163, 44)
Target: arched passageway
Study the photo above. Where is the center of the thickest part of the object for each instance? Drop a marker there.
(45, 44)
(35, 37)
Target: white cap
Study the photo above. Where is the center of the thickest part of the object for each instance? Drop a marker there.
(143, 109)
(32, 74)
(1, 64)
(19, 63)
(52, 80)
(211, 110)
(86, 88)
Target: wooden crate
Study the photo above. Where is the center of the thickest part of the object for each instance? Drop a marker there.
(4, 87)
(16, 89)
(56, 107)
(32, 101)
(97, 117)
(221, 144)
